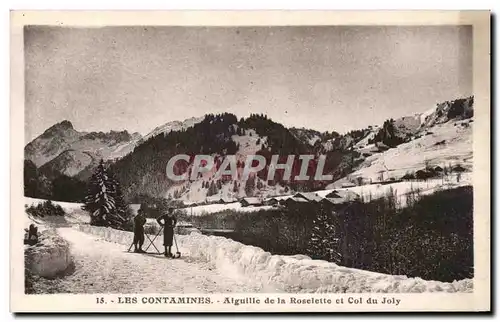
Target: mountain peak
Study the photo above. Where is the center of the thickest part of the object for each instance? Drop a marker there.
(58, 128)
(66, 125)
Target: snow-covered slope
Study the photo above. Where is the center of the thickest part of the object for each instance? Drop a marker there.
(193, 191)
(51, 143)
(70, 163)
(71, 150)
(173, 126)
(445, 144)
(306, 135)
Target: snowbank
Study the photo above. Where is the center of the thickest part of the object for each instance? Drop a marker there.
(296, 273)
(51, 256)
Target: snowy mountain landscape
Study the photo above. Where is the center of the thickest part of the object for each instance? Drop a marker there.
(388, 160)
(441, 137)
(198, 161)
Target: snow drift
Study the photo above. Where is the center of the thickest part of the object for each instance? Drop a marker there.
(296, 273)
(50, 257)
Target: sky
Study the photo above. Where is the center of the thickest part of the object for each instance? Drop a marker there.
(328, 78)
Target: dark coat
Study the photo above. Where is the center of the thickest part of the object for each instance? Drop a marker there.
(139, 222)
(168, 224)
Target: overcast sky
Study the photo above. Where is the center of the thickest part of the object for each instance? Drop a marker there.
(326, 78)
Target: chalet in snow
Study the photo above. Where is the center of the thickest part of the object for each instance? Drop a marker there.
(219, 200)
(341, 196)
(251, 201)
(273, 201)
(309, 196)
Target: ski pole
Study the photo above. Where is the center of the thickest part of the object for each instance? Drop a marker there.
(177, 247)
(175, 241)
(154, 239)
(151, 243)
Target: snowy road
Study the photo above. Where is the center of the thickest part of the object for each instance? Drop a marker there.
(103, 267)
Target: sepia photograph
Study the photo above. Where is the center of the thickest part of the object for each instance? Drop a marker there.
(163, 164)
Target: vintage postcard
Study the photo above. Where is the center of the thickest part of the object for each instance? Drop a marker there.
(263, 161)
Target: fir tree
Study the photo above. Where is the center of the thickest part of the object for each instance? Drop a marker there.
(212, 189)
(250, 186)
(104, 200)
(122, 208)
(323, 243)
(260, 185)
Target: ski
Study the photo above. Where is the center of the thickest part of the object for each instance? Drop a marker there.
(175, 256)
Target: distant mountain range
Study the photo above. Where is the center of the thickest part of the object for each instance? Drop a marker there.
(62, 148)
(139, 162)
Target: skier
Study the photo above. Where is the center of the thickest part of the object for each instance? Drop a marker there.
(139, 222)
(168, 224)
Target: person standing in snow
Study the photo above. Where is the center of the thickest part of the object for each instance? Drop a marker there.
(139, 222)
(168, 224)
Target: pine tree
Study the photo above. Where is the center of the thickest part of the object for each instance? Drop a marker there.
(212, 189)
(260, 185)
(122, 208)
(323, 243)
(104, 200)
(250, 186)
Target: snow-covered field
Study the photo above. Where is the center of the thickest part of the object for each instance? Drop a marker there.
(74, 211)
(404, 188)
(209, 209)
